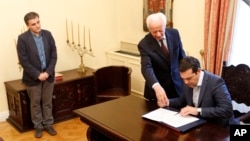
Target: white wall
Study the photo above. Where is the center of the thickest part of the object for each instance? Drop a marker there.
(110, 21)
(188, 18)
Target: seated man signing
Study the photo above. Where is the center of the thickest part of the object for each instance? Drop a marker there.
(204, 94)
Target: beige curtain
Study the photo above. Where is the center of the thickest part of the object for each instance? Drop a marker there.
(219, 19)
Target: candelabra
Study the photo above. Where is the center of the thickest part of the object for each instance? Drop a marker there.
(202, 58)
(81, 49)
(19, 65)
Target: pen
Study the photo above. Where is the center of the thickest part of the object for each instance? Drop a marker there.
(177, 113)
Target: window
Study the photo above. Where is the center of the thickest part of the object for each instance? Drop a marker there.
(240, 50)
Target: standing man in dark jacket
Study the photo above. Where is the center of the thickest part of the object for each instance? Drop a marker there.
(37, 54)
(159, 70)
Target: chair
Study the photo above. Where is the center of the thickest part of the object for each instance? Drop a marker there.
(237, 79)
(112, 82)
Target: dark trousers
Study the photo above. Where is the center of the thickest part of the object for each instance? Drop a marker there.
(41, 104)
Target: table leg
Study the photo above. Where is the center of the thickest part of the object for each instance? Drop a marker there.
(94, 135)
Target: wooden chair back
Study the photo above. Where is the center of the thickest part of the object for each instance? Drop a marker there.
(112, 82)
(237, 79)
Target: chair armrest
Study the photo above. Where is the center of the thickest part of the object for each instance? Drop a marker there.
(244, 118)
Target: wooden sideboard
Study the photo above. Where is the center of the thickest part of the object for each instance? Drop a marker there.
(75, 90)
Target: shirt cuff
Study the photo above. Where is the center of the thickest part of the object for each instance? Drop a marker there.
(155, 84)
(199, 111)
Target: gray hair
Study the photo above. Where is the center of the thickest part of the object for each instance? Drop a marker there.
(155, 16)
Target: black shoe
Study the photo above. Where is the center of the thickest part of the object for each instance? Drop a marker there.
(38, 132)
(50, 130)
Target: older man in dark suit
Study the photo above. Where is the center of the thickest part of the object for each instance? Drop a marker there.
(161, 50)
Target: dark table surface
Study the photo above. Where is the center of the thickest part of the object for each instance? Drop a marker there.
(121, 119)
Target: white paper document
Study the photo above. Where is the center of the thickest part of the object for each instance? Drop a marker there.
(169, 117)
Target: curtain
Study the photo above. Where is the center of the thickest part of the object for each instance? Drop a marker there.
(219, 17)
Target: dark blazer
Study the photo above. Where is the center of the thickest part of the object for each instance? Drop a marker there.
(29, 57)
(214, 100)
(155, 66)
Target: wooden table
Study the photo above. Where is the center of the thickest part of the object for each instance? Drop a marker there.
(121, 119)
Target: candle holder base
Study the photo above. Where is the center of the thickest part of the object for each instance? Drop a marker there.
(81, 69)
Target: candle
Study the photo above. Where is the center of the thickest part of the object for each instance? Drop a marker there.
(78, 36)
(67, 30)
(22, 30)
(89, 42)
(72, 32)
(16, 47)
(15, 42)
(84, 47)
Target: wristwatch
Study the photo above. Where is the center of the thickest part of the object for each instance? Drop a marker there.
(199, 111)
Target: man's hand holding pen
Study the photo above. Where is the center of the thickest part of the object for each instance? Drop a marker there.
(189, 110)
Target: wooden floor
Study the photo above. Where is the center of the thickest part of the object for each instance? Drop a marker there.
(70, 130)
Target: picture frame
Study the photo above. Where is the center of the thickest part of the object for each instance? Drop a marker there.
(154, 6)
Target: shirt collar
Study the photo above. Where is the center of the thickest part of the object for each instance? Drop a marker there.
(200, 78)
(35, 35)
